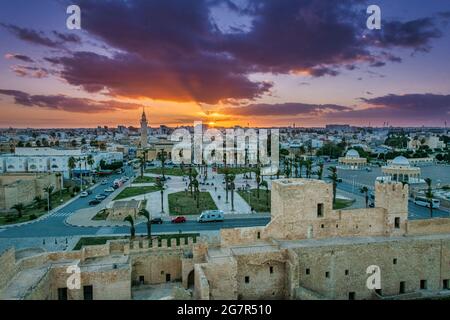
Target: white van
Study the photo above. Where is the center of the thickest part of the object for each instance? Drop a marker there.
(211, 216)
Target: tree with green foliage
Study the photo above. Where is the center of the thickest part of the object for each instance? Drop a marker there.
(258, 179)
(160, 186)
(429, 195)
(265, 185)
(162, 157)
(145, 213)
(334, 179)
(320, 171)
(49, 190)
(365, 191)
(231, 185)
(132, 228)
(19, 207)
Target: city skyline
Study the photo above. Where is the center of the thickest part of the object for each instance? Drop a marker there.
(226, 63)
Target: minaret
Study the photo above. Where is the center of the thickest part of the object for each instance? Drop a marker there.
(144, 129)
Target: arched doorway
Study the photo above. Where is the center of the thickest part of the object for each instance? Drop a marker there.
(191, 280)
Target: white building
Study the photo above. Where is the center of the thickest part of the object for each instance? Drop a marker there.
(37, 164)
(16, 164)
(53, 160)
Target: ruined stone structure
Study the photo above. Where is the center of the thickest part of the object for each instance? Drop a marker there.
(307, 251)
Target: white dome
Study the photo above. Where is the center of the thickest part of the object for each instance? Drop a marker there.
(352, 153)
(400, 161)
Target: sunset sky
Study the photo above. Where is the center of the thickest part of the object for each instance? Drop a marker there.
(228, 62)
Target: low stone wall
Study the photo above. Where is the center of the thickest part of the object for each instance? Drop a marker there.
(429, 226)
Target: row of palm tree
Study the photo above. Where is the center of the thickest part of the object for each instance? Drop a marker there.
(145, 213)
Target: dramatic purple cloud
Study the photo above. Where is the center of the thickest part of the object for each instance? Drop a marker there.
(410, 105)
(415, 34)
(30, 72)
(173, 49)
(65, 103)
(40, 38)
(20, 57)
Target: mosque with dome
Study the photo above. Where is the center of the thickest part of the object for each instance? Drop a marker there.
(401, 170)
(352, 161)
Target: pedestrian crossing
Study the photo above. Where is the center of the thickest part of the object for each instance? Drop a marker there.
(61, 214)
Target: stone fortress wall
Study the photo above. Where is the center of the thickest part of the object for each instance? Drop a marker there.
(23, 188)
(110, 269)
(307, 251)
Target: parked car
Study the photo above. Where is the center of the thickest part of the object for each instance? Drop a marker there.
(94, 202)
(110, 189)
(179, 220)
(211, 216)
(84, 194)
(115, 186)
(104, 182)
(156, 221)
(101, 196)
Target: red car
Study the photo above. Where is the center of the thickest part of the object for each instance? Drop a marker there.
(179, 220)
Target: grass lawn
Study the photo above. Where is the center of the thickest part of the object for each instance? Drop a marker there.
(101, 215)
(342, 204)
(145, 179)
(135, 191)
(181, 203)
(260, 205)
(176, 171)
(90, 241)
(31, 212)
(236, 171)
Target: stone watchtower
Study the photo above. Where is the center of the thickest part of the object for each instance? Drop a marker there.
(298, 206)
(394, 198)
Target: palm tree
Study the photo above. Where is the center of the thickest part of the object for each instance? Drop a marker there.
(90, 160)
(365, 190)
(162, 156)
(129, 219)
(258, 180)
(266, 185)
(49, 190)
(226, 171)
(142, 162)
(231, 179)
(196, 191)
(320, 171)
(308, 168)
(160, 186)
(72, 164)
(300, 166)
(334, 178)
(19, 207)
(146, 214)
(37, 201)
(429, 195)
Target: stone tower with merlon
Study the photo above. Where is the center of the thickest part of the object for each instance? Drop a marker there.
(298, 204)
(394, 198)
